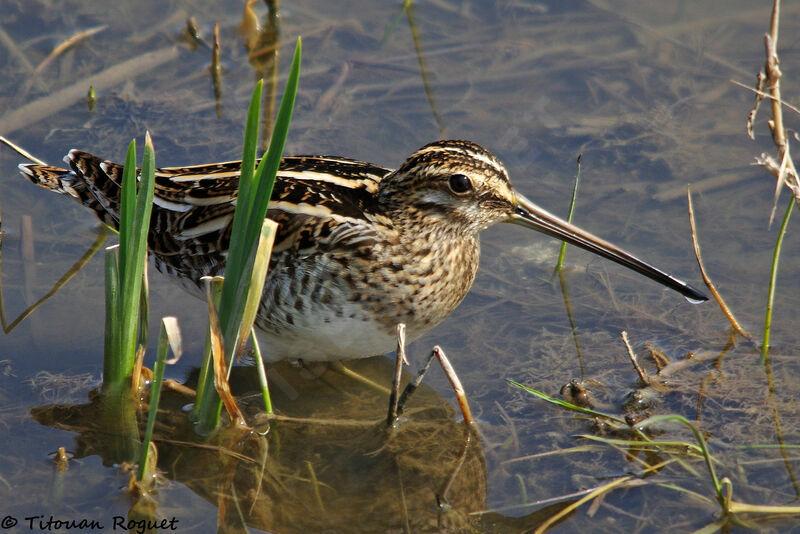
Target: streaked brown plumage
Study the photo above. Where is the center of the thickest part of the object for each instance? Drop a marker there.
(359, 247)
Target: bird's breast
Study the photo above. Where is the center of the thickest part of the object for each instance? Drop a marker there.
(335, 302)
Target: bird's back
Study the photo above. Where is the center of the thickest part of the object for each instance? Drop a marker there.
(194, 206)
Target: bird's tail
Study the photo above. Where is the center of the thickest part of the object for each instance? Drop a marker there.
(93, 182)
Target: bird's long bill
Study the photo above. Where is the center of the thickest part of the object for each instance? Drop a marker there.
(530, 215)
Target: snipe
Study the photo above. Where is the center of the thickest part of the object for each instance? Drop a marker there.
(359, 249)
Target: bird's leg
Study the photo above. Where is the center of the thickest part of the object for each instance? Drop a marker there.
(455, 383)
(400, 359)
(439, 354)
(412, 386)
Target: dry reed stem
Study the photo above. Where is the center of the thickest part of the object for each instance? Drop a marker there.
(706, 279)
(659, 358)
(634, 360)
(760, 95)
(768, 81)
(21, 151)
(177, 387)
(219, 368)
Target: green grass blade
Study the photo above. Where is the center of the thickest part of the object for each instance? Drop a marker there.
(773, 277)
(669, 418)
(110, 358)
(262, 373)
(239, 265)
(270, 163)
(144, 313)
(565, 404)
(649, 445)
(126, 202)
(244, 199)
(169, 337)
(563, 250)
(269, 229)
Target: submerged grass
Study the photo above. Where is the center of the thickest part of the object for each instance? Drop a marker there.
(723, 487)
(568, 405)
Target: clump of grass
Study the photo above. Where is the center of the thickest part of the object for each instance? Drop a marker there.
(125, 271)
(250, 242)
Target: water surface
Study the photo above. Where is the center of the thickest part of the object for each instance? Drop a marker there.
(642, 92)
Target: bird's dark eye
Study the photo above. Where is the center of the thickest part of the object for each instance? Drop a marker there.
(460, 184)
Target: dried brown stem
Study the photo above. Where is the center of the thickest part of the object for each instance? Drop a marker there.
(785, 173)
(220, 368)
(773, 83)
(711, 287)
(768, 87)
(632, 355)
(177, 387)
(761, 79)
(759, 92)
(659, 358)
(21, 151)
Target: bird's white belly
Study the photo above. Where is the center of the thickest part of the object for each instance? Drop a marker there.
(327, 339)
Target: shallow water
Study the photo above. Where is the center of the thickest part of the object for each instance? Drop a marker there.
(642, 92)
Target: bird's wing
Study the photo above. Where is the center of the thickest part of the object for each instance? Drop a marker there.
(319, 203)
